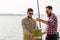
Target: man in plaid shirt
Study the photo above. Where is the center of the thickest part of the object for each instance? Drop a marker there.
(51, 23)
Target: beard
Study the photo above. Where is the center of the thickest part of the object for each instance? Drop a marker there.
(49, 14)
(29, 17)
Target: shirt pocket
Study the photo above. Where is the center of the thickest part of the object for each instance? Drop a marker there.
(27, 23)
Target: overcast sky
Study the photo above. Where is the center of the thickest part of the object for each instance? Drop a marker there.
(20, 6)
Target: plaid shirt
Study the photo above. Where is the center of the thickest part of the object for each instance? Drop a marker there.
(52, 25)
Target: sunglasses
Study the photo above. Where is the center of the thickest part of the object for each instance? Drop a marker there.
(31, 13)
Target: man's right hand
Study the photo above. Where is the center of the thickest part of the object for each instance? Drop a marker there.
(30, 35)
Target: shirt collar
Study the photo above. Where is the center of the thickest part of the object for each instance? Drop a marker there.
(29, 18)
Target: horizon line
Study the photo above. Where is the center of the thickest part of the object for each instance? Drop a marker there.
(18, 14)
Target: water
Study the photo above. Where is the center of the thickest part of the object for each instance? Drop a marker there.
(11, 29)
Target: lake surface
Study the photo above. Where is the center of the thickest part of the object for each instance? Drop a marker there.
(11, 29)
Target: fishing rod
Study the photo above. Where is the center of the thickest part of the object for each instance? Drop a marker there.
(38, 12)
(39, 16)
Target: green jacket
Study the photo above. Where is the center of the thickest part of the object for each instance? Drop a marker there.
(28, 25)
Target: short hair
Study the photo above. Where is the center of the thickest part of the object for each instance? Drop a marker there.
(49, 7)
(29, 9)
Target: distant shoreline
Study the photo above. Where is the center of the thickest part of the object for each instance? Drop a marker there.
(20, 14)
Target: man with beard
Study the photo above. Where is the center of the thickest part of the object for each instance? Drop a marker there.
(28, 24)
(51, 29)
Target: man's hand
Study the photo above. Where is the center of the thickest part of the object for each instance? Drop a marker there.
(41, 20)
(38, 19)
(43, 33)
(30, 35)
